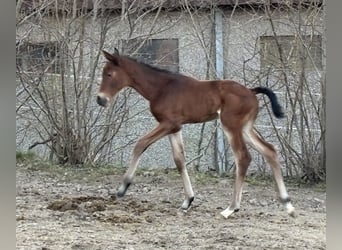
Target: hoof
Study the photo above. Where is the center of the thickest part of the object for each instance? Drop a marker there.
(123, 189)
(293, 214)
(228, 212)
(187, 203)
(290, 210)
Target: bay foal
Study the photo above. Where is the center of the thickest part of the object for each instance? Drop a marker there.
(176, 99)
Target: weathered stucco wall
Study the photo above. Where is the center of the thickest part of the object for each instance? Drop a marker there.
(241, 62)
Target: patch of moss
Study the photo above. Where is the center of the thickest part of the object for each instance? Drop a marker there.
(22, 156)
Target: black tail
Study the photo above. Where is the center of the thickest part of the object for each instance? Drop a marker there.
(276, 108)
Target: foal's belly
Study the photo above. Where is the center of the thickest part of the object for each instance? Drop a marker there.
(201, 118)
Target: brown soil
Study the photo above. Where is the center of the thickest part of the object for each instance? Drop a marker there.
(78, 210)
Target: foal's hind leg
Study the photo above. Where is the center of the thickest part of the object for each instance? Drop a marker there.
(242, 161)
(268, 151)
(179, 158)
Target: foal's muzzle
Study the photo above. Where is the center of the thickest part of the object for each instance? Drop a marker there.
(102, 101)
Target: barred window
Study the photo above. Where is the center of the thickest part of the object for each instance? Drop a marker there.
(162, 53)
(39, 57)
(295, 51)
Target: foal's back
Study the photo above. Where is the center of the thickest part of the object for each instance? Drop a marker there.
(193, 101)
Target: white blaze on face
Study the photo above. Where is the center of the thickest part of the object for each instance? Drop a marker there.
(104, 95)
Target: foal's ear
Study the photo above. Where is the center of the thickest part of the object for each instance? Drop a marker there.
(114, 58)
(116, 51)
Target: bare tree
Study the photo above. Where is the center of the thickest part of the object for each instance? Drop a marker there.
(295, 71)
(59, 48)
(57, 80)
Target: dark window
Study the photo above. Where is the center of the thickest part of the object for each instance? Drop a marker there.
(39, 57)
(162, 53)
(295, 52)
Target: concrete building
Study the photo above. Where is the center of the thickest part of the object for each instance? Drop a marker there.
(203, 39)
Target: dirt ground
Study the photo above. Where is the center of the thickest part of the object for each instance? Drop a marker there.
(77, 209)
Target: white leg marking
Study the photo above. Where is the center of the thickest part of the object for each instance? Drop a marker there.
(238, 185)
(249, 136)
(290, 209)
(178, 154)
(227, 212)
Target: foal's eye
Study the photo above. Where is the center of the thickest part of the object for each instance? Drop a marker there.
(109, 74)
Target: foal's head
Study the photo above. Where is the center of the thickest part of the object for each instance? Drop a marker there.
(114, 78)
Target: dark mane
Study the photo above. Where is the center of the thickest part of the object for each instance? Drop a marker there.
(154, 68)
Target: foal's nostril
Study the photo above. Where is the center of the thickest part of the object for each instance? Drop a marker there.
(101, 101)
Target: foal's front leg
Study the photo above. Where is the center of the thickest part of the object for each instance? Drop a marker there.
(179, 158)
(143, 143)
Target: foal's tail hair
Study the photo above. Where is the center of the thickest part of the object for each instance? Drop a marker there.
(276, 108)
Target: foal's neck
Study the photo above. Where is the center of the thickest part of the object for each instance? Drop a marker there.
(146, 81)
